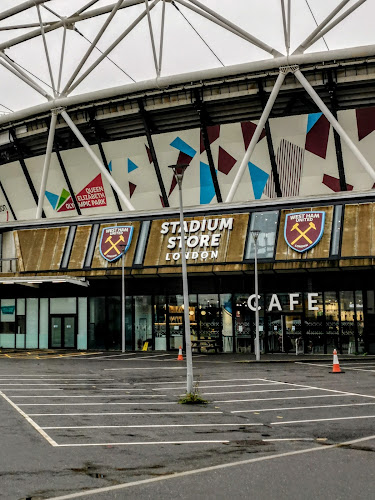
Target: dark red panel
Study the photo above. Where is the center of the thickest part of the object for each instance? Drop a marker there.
(132, 188)
(226, 161)
(317, 138)
(248, 129)
(365, 122)
(334, 183)
(148, 153)
(213, 133)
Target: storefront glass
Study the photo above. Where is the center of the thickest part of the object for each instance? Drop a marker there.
(331, 305)
(160, 323)
(142, 321)
(226, 321)
(242, 324)
(314, 338)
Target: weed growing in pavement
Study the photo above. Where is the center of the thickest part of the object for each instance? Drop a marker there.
(193, 398)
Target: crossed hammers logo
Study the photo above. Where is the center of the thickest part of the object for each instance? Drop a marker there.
(114, 245)
(302, 234)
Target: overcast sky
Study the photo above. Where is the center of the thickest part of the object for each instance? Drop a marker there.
(184, 50)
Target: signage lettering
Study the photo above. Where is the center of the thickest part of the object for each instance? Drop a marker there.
(294, 300)
(198, 242)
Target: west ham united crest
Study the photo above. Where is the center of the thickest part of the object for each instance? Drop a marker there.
(303, 230)
(115, 241)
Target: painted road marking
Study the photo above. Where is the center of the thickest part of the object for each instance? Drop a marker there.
(326, 366)
(152, 426)
(213, 386)
(283, 399)
(192, 472)
(148, 368)
(128, 413)
(302, 407)
(97, 404)
(248, 392)
(98, 396)
(204, 381)
(321, 420)
(141, 443)
(30, 421)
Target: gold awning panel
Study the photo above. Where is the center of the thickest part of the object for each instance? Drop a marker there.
(358, 238)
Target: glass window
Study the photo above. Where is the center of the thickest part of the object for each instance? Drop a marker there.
(82, 323)
(176, 321)
(63, 305)
(8, 316)
(43, 324)
(141, 243)
(226, 320)
(314, 323)
(97, 326)
(209, 316)
(91, 245)
(359, 318)
(142, 321)
(332, 320)
(160, 323)
(68, 247)
(266, 223)
(347, 316)
(242, 323)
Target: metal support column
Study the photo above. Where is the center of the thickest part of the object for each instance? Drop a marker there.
(203, 121)
(47, 161)
(271, 151)
(146, 126)
(335, 124)
(340, 161)
(258, 131)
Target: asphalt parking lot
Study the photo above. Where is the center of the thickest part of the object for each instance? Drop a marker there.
(109, 426)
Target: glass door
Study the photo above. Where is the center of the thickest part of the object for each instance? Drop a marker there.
(63, 332)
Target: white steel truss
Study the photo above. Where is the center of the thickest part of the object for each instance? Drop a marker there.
(61, 98)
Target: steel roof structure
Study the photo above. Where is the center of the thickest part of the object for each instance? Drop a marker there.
(277, 82)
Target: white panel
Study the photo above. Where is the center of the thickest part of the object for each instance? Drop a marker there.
(43, 324)
(82, 323)
(14, 183)
(31, 323)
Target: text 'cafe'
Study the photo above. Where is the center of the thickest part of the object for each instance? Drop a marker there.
(316, 282)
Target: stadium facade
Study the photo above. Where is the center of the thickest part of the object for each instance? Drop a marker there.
(283, 146)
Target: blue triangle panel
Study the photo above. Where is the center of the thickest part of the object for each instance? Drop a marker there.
(207, 186)
(131, 166)
(110, 166)
(181, 145)
(311, 120)
(259, 179)
(52, 198)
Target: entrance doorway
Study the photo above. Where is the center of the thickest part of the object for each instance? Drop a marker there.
(63, 332)
(284, 333)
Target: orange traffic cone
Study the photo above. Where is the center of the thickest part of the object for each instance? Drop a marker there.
(180, 356)
(336, 365)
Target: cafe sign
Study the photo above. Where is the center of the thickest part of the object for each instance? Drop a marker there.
(303, 230)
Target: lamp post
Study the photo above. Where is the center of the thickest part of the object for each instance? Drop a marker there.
(122, 248)
(255, 234)
(178, 171)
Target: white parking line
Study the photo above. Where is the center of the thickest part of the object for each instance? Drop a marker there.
(343, 366)
(301, 407)
(98, 396)
(320, 420)
(211, 380)
(150, 357)
(40, 379)
(248, 392)
(151, 426)
(105, 413)
(62, 384)
(212, 386)
(97, 404)
(138, 443)
(112, 355)
(283, 399)
(175, 475)
(30, 421)
(148, 368)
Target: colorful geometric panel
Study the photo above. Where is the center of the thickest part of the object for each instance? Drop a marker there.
(317, 134)
(289, 160)
(334, 183)
(148, 153)
(92, 195)
(52, 198)
(248, 129)
(63, 197)
(226, 161)
(131, 188)
(110, 166)
(259, 180)
(182, 146)
(312, 118)
(131, 166)
(207, 191)
(213, 133)
(365, 122)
